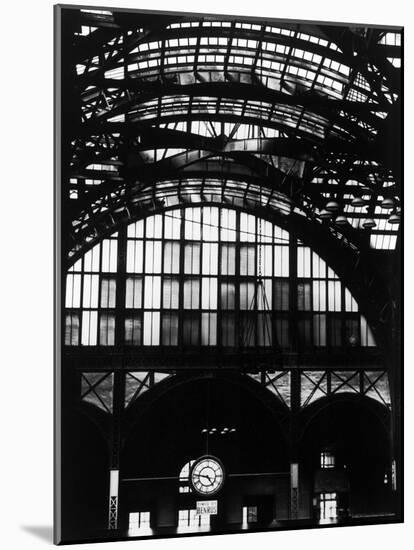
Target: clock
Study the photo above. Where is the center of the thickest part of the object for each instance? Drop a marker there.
(207, 475)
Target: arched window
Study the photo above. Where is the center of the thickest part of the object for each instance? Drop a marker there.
(184, 477)
(209, 276)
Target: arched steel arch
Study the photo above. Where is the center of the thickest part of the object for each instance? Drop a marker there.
(141, 405)
(356, 153)
(354, 268)
(309, 413)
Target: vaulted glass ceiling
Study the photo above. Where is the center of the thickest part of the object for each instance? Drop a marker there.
(166, 110)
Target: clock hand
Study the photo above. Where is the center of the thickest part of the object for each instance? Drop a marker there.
(202, 475)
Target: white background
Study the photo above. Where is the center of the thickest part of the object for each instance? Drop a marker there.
(26, 186)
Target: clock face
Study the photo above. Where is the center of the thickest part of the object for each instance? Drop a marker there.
(207, 475)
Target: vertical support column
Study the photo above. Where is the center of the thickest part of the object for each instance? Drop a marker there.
(113, 499)
(294, 490)
(120, 286)
(294, 464)
(293, 289)
(237, 316)
(115, 447)
(219, 282)
(394, 369)
(295, 391)
(181, 281)
(394, 474)
(118, 385)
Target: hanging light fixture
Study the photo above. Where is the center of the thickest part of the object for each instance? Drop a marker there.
(341, 220)
(368, 223)
(358, 202)
(387, 203)
(394, 219)
(325, 214)
(332, 206)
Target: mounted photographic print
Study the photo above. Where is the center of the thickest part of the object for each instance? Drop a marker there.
(228, 200)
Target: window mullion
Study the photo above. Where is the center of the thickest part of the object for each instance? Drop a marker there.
(120, 287)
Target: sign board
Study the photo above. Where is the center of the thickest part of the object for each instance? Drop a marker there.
(206, 507)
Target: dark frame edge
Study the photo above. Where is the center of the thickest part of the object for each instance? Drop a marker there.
(57, 272)
(402, 267)
(57, 257)
(233, 15)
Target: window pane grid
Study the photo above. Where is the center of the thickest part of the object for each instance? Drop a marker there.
(188, 271)
(133, 292)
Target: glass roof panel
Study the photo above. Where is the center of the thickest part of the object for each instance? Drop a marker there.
(211, 83)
